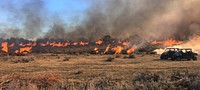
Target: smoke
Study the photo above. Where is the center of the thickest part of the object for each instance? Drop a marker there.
(33, 13)
(148, 19)
(57, 30)
(136, 20)
(29, 17)
(9, 32)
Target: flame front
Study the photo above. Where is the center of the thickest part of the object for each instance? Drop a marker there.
(27, 47)
(24, 50)
(126, 43)
(41, 44)
(96, 50)
(99, 42)
(131, 50)
(107, 48)
(12, 45)
(75, 43)
(83, 43)
(4, 46)
(169, 42)
(117, 49)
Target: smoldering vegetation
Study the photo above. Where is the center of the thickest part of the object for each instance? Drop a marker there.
(137, 20)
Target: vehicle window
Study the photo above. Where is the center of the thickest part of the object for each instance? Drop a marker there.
(184, 51)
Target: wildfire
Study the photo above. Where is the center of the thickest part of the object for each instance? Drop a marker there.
(96, 50)
(4, 46)
(107, 48)
(125, 43)
(26, 47)
(31, 44)
(156, 43)
(24, 50)
(131, 50)
(99, 42)
(75, 43)
(169, 42)
(12, 45)
(41, 44)
(66, 44)
(83, 43)
(56, 44)
(117, 49)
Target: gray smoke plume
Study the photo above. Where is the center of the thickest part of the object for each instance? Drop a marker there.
(136, 20)
(30, 17)
(148, 19)
(33, 14)
(9, 32)
(57, 30)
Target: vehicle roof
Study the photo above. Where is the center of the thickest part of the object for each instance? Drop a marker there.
(172, 48)
(186, 49)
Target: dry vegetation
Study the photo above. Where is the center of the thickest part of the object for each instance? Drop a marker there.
(97, 72)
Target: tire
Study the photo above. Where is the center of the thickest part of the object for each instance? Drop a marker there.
(178, 59)
(163, 57)
(189, 59)
(173, 59)
(195, 58)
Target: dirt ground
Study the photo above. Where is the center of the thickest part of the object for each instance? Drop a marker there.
(91, 72)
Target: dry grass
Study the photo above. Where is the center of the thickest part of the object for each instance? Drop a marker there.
(91, 72)
(23, 81)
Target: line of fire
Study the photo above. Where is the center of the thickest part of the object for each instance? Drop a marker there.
(105, 45)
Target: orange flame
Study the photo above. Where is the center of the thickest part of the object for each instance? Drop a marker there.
(28, 45)
(99, 42)
(12, 45)
(75, 43)
(96, 50)
(56, 44)
(125, 43)
(83, 43)
(156, 43)
(107, 48)
(131, 50)
(4, 46)
(42, 44)
(117, 49)
(66, 44)
(24, 50)
(16, 51)
(169, 42)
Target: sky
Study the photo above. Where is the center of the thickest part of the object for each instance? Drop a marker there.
(66, 9)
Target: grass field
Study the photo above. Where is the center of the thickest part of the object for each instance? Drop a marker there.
(93, 72)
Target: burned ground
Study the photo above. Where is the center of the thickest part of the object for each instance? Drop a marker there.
(53, 71)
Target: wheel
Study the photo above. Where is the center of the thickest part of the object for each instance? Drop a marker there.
(194, 58)
(189, 59)
(163, 57)
(178, 58)
(173, 59)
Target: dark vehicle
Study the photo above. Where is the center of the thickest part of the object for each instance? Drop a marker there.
(187, 54)
(169, 52)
